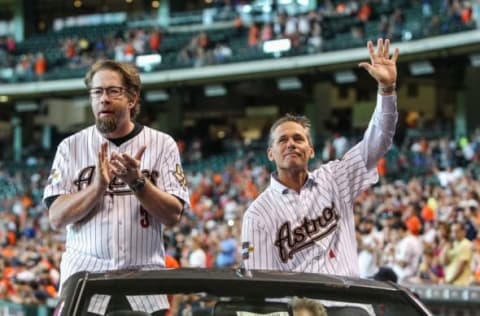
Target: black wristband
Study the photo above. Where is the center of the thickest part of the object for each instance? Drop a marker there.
(138, 184)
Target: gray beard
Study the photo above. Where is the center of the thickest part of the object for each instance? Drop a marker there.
(106, 125)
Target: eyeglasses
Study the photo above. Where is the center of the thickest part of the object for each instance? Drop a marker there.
(112, 92)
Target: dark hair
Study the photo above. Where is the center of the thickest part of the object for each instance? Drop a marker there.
(385, 274)
(130, 78)
(299, 119)
(399, 225)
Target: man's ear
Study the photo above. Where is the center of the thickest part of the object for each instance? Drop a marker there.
(270, 154)
(133, 101)
(312, 152)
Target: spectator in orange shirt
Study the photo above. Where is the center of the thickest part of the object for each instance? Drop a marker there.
(466, 13)
(69, 48)
(382, 169)
(129, 51)
(253, 35)
(171, 262)
(155, 40)
(364, 12)
(11, 238)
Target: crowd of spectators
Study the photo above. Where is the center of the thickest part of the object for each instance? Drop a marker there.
(404, 223)
(346, 21)
(421, 220)
(30, 250)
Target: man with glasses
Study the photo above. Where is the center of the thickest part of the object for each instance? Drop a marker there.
(113, 186)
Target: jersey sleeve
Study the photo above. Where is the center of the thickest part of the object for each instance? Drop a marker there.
(172, 177)
(357, 171)
(257, 246)
(60, 179)
(379, 134)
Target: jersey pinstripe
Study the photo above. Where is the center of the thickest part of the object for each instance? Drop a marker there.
(319, 220)
(313, 230)
(118, 234)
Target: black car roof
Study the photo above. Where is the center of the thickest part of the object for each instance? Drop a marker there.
(234, 282)
(221, 281)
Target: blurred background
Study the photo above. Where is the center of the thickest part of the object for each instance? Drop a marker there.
(216, 74)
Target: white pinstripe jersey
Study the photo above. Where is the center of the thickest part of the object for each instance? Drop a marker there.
(118, 234)
(314, 231)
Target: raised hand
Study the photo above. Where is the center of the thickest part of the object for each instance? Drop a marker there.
(381, 66)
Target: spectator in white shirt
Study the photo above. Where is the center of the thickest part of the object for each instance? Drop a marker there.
(198, 257)
(408, 251)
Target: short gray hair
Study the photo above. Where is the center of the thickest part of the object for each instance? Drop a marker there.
(299, 119)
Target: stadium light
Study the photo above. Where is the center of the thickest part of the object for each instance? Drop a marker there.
(147, 62)
(246, 8)
(475, 60)
(277, 46)
(6, 73)
(289, 83)
(156, 96)
(26, 106)
(215, 90)
(345, 76)
(266, 8)
(420, 68)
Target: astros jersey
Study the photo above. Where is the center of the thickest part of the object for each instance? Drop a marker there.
(118, 233)
(314, 231)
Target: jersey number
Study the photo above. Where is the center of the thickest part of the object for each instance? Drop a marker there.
(144, 221)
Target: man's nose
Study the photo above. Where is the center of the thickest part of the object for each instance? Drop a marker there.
(290, 143)
(104, 96)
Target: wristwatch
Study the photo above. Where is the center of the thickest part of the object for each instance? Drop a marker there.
(138, 184)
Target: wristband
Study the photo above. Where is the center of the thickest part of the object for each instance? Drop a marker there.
(138, 184)
(386, 89)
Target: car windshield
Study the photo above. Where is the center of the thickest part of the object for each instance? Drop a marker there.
(204, 292)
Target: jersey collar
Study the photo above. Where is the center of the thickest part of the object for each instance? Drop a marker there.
(279, 187)
(135, 131)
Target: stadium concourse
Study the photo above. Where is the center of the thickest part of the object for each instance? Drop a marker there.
(334, 25)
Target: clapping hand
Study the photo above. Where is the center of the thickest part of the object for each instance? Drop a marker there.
(127, 167)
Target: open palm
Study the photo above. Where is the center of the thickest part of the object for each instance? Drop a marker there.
(381, 66)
